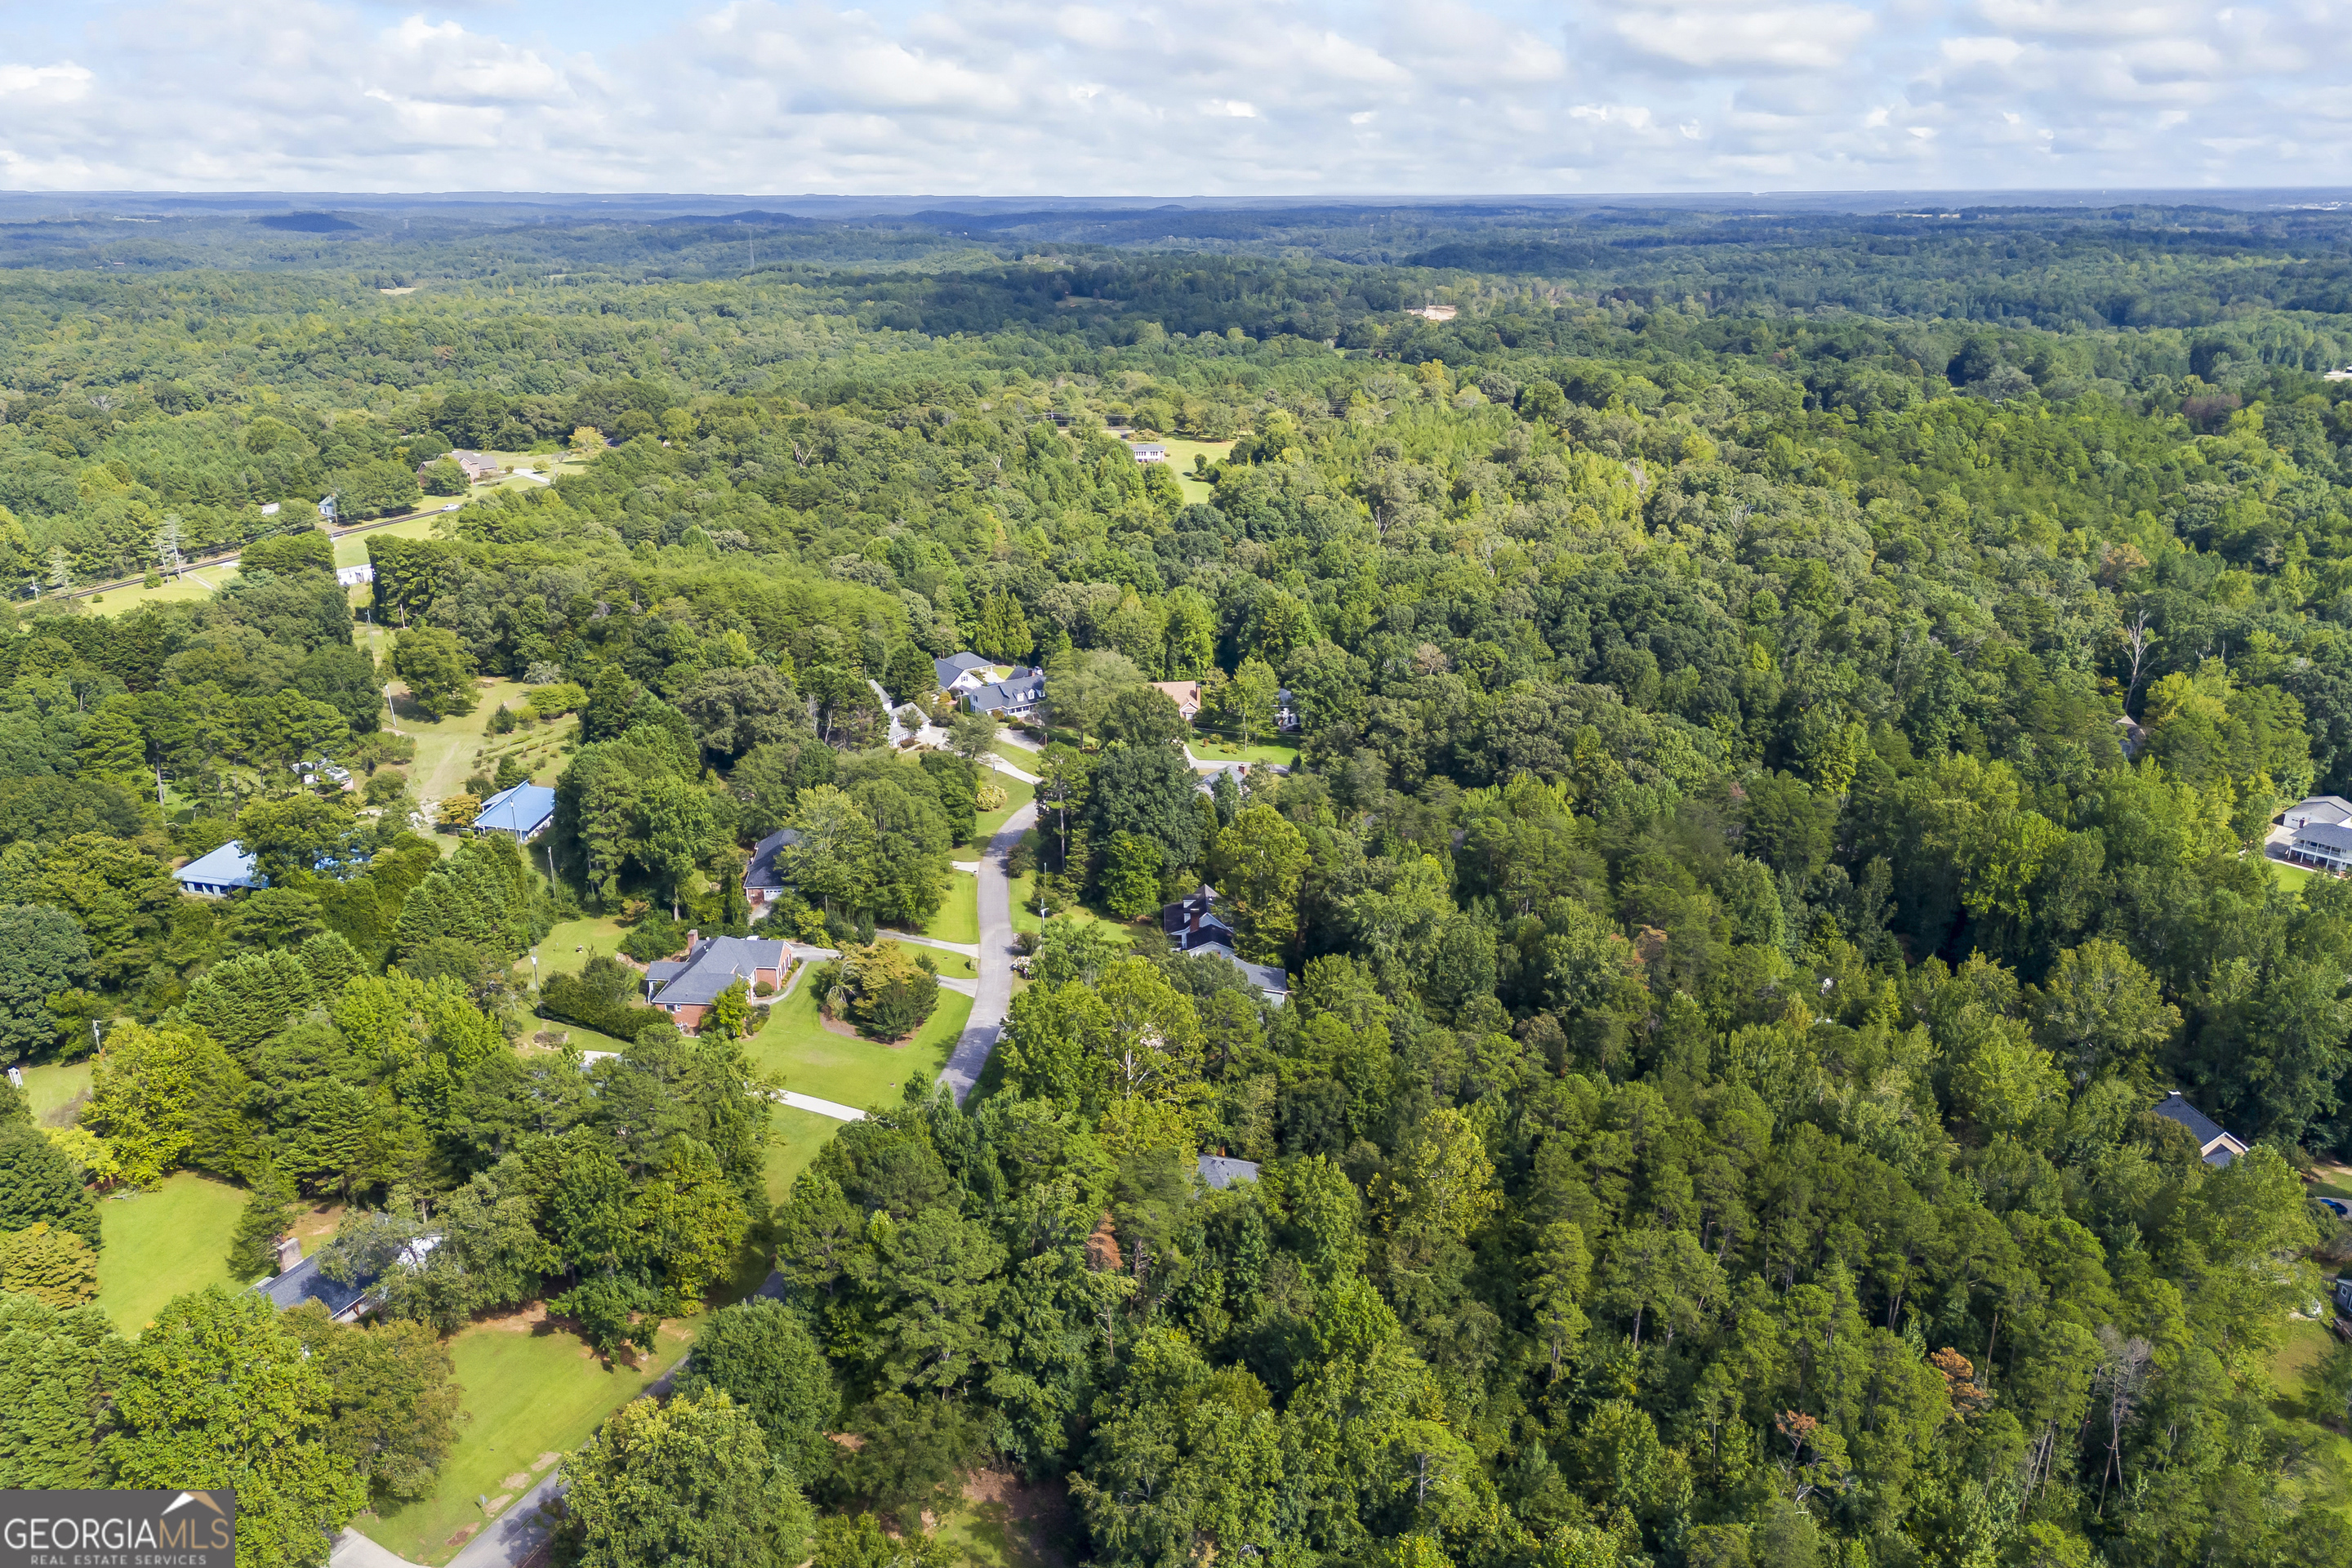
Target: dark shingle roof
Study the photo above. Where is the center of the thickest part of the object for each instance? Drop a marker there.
(1016, 692)
(762, 872)
(2202, 1127)
(306, 1282)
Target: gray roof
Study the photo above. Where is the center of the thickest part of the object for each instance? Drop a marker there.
(715, 965)
(1221, 1173)
(955, 663)
(306, 1282)
(762, 872)
(2202, 1127)
(2326, 835)
(1019, 691)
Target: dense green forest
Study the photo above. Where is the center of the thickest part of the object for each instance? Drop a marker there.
(1791, 709)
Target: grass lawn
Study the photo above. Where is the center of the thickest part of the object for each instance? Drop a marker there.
(848, 1069)
(450, 751)
(164, 1242)
(2291, 875)
(1003, 1523)
(568, 948)
(1179, 463)
(2334, 1181)
(532, 1392)
(49, 1089)
(959, 916)
(350, 550)
(201, 583)
(1024, 890)
(1016, 795)
(2327, 1483)
(1210, 749)
(794, 1139)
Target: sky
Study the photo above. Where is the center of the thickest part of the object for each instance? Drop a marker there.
(1212, 98)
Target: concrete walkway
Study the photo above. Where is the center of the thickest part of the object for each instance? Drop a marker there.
(810, 1102)
(968, 949)
(993, 997)
(1002, 766)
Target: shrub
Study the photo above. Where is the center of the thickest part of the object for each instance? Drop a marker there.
(603, 997)
(891, 990)
(656, 935)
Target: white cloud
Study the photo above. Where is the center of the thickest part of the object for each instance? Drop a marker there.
(1207, 97)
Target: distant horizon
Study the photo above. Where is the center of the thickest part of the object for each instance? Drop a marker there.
(1221, 98)
(22, 206)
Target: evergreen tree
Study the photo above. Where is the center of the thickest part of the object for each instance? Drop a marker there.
(269, 1214)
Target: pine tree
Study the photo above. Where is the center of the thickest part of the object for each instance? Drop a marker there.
(269, 1214)
(55, 1266)
(330, 960)
(49, 1363)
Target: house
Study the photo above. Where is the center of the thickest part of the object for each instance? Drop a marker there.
(521, 813)
(2327, 845)
(1436, 313)
(2344, 1294)
(1149, 452)
(1185, 694)
(2328, 810)
(763, 882)
(1193, 925)
(217, 873)
(478, 466)
(962, 672)
(301, 1279)
(686, 987)
(1018, 696)
(1209, 775)
(1221, 1173)
(1285, 710)
(352, 576)
(2218, 1147)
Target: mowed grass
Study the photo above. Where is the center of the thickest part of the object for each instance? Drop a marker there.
(51, 1087)
(164, 1242)
(850, 1069)
(1024, 891)
(201, 583)
(794, 1139)
(958, 919)
(571, 944)
(1016, 795)
(532, 1392)
(1212, 749)
(2291, 875)
(350, 550)
(1181, 453)
(451, 751)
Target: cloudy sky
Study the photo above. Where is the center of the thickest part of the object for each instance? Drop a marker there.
(1190, 98)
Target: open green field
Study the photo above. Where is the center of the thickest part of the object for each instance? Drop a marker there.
(1006, 1523)
(1212, 749)
(1181, 453)
(1024, 891)
(350, 550)
(794, 1139)
(571, 944)
(201, 583)
(51, 1087)
(1016, 795)
(450, 751)
(164, 1242)
(848, 1069)
(959, 915)
(532, 1392)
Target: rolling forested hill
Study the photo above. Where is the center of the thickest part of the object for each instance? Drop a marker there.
(1790, 705)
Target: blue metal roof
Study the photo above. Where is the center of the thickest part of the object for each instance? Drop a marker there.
(521, 811)
(226, 866)
(306, 1282)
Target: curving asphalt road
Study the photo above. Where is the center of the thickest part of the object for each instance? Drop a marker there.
(993, 997)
